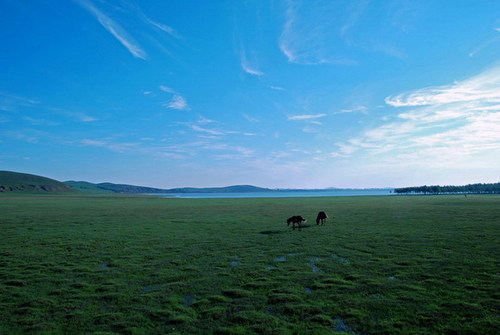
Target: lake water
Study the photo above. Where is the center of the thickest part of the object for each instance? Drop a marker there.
(281, 194)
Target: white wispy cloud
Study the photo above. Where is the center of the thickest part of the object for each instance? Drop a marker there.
(247, 67)
(178, 102)
(250, 70)
(167, 89)
(204, 120)
(214, 132)
(121, 147)
(169, 30)
(449, 126)
(235, 132)
(353, 17)
(483, 87)
(311, 33)
(486, 44)
(38, 121)
(250, 118)
(306, 117)
(240, 150)
(356, 109)
(114, 29)
(205, 130)
(12, 103)
(78, 116)
(26, 135)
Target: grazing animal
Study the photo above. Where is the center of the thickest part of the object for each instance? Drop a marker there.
(321, 218)
(297, 219)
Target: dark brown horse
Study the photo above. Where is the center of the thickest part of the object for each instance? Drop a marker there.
(297, 219)
(321, 218)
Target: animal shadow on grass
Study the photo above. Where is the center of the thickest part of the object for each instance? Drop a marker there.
(273, 232)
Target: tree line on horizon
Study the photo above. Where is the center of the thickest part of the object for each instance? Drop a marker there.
(493, 188)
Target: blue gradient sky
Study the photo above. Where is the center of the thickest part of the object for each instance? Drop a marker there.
(293, 93)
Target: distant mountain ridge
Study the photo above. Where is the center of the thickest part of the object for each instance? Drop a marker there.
(87, 187)
(28, 183)
(124, 188)
(23, 182)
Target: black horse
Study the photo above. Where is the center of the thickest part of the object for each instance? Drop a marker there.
(297, 219)
(321, 218)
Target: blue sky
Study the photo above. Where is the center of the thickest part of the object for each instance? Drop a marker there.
(283, 93)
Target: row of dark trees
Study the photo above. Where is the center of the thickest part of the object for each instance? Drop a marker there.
(466, 189)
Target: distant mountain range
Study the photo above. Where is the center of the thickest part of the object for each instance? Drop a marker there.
(124, 188)
(28, 183)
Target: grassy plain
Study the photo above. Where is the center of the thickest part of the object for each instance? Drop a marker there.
(137, 265)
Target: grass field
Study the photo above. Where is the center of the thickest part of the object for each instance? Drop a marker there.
(138, 265)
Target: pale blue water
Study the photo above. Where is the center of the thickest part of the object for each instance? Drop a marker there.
(280, 194)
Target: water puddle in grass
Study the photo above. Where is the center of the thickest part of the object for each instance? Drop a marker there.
(284, 258)
(188, 300)
(342, 327)
(341, 259)
(314, 267)
(308, 290)
(270, 267)
(104, 266)
(235, 261)
(391, 277)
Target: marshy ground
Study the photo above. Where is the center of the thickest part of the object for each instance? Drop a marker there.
(141, 265)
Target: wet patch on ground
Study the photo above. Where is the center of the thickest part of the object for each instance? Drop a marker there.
(342, 327)
(341, 259)
(314, 267)
(188, 300)
(235, 261)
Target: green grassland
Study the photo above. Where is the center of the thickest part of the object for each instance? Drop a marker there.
(104, 264)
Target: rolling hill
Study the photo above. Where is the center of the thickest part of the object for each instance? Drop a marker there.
(29, 183)
(87, 187)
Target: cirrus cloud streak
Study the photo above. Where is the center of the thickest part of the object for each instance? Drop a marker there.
(447, 126)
